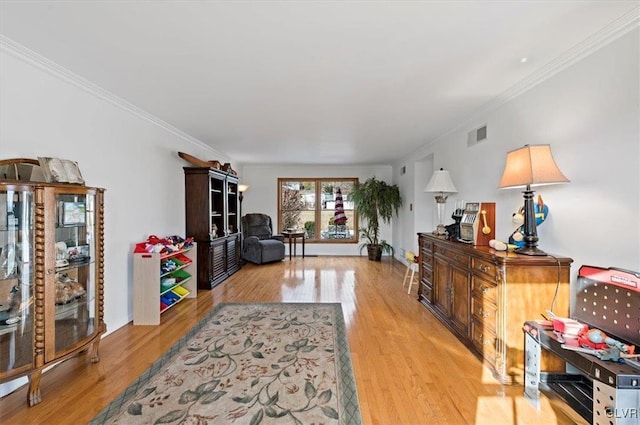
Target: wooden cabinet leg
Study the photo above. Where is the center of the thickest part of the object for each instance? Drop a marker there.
(94, 352)
(33, 396)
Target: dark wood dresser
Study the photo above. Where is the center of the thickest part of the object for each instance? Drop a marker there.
(484, 297)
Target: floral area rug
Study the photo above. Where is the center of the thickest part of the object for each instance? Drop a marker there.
(280, 363)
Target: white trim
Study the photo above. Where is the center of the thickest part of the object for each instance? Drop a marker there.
(29, 56)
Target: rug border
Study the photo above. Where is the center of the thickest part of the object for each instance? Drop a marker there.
(347, 385)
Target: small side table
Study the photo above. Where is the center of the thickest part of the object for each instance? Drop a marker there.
(292, 236)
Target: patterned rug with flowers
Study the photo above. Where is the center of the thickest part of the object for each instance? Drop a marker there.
(280, 363)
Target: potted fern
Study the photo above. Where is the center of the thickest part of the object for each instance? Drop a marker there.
(376, 201)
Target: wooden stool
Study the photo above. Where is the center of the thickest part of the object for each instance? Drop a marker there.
(414, 268)
(411, 266)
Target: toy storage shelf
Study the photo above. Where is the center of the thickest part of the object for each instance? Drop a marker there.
(161, 281)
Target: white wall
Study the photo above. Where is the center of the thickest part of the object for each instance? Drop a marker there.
(42, 114)
(416, 213)
(262, 195)
(589, 114)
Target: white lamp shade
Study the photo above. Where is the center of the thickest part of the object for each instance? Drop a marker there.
(531, 165)
(441, 182)
(242, 187)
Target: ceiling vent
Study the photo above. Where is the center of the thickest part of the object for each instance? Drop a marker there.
(476, 136)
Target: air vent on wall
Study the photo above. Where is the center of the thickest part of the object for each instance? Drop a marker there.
(476, 136)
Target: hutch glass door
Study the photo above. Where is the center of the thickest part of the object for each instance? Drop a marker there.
(75, 279)
(16, 279)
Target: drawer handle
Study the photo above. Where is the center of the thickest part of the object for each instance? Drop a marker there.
(481, 314)
(484, 268)
(483, 341)
(485, 289)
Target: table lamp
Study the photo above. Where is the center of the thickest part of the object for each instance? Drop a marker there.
(531, 165)
(442, 185)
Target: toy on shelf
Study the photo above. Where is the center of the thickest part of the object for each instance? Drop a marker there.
(566, 328)
(163, 245)
(591, 341)
(595, 338)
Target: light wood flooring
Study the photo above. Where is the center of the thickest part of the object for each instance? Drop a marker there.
(409, 369)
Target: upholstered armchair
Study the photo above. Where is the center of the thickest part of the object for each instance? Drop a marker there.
(259, 244)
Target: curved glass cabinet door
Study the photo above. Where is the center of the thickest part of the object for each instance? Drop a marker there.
(75, 271)
(16, 279)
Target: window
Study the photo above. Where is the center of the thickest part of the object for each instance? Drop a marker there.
(320, 207)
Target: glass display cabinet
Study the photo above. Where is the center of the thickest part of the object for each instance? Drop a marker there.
(51, 277)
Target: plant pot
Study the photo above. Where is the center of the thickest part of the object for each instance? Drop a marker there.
(374, 252)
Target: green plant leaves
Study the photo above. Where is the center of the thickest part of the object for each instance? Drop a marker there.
(207, 386)
(273, 400)
(171, 417)
(188, 396)
(198, 360)
(245, 399)
(286, 358)
(212, 396)
(146, 392)
(257, 418)
(324, 397)
(271, 412)
(135, 409)
(375, 201)
(329, 412)
(309, 390)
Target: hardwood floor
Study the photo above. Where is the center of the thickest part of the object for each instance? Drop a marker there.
(409, 369)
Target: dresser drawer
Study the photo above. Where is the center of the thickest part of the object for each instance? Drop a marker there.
(426, 292)
(486, 267)
(427, 246)
(484, 311)
(484, 341)
(485, 289)
(426, 260)
(457, 258)
(427, 275)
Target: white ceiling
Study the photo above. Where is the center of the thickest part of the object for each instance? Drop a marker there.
(317, 82)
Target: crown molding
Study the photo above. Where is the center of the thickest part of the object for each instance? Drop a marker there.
(591, 44)
(29, 56)
(616, 29)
